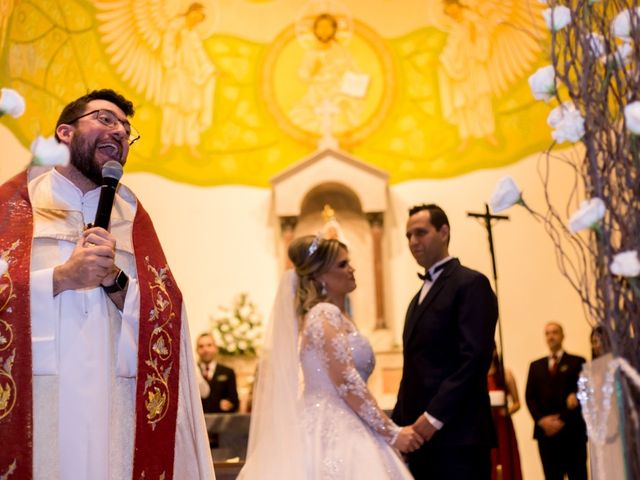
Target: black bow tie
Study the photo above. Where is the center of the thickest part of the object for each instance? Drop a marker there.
(427, 274)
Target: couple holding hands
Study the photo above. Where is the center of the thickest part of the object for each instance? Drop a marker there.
(313, 415)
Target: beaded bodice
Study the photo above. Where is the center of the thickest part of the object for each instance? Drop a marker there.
(336, 362)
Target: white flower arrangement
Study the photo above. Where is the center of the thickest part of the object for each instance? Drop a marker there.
(589, 215)
(543, 83)
(567, 122)
(237, 330)
(505, 195)
(48, 151)
(11, 103)
(557, 18)
(621, 25)
(591, 56)
(632, 117)
(596, 44)
(626, 264)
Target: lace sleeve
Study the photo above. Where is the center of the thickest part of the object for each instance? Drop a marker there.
(326, 332)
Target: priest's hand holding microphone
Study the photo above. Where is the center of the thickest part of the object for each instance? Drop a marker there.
(92, 262)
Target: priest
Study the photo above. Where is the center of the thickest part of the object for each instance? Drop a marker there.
(97, 379)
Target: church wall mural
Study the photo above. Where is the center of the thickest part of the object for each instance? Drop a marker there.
(234, 91)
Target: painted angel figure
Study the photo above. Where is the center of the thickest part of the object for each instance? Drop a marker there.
(491, 45)
(161, 54)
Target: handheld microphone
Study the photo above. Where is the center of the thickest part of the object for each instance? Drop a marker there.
(111, 175)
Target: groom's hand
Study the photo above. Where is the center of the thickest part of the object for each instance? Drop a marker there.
(424, 428)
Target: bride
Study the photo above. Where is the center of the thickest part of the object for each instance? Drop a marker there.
(325, 425)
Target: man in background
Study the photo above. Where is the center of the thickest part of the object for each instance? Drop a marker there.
(448, 344)
(551, 397)
(222, 394)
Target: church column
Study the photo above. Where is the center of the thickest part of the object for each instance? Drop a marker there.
(287, 229)
(376, 220)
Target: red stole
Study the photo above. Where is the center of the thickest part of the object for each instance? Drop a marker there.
(157, 384)
(16, 425)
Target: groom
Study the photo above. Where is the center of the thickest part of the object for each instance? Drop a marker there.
(448, 340)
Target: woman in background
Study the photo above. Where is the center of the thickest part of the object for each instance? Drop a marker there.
(504, 403)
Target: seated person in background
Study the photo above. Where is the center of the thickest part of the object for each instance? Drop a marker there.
(221, 396)
(503, 393)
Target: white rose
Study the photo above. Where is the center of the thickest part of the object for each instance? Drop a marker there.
(626, 264)
(588, 216)
(621, 56)
(234, 321)
(621, 25)
(237, 333)
(231, 347)
(4, 266)
(567, 122)
(228, 338)
(505, 195)
(242, 345)
(11, 102)
(224, 327)
(596, 44)
(48, 151)
(632, 117)
(245, 311)
(623, 53)
(557, 17)
(543, 83)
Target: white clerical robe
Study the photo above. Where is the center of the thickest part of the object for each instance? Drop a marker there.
(85, 352)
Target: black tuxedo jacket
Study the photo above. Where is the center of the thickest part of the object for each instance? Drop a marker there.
(223, 386)
(448, 342)
(546, 394)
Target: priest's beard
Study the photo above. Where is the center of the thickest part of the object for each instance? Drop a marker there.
(83, 158)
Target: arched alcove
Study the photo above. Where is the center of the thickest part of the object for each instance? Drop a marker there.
(358, 193)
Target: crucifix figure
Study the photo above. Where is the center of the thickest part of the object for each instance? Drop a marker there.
(487, 218)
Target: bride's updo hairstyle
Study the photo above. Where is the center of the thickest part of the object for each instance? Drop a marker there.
(312, 256)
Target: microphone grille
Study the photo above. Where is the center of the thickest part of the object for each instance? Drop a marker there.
(112, 169)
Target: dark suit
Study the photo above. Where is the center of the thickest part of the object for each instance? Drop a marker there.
(448, 341)
(546, 394)
(223, 387)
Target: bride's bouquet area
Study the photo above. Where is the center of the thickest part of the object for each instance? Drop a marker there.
(592, 85)
(237, 330)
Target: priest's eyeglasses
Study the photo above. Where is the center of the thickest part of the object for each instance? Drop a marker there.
(111, 120)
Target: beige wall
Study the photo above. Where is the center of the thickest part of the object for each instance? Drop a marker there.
(221, 241)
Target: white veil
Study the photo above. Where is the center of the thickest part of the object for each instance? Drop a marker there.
(276, 443)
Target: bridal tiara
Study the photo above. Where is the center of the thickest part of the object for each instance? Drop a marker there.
(314, 244)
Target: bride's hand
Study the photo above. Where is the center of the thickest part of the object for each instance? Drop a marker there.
(408, 440)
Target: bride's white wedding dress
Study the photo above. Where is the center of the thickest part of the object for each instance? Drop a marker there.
(346, 435)
(333, 428)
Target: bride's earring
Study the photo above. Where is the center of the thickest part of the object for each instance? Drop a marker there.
(323, 288)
